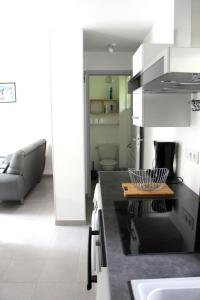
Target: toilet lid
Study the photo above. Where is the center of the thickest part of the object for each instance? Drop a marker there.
(108, 162)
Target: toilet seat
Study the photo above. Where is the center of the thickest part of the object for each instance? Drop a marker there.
(108, 162)
(107, 154)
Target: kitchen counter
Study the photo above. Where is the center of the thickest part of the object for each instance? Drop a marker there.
(124, 268)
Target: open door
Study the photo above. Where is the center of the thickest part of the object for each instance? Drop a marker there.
(105, 125)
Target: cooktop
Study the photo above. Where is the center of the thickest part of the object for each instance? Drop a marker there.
(158, 225)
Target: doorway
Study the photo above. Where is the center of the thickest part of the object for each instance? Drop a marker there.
(109, 121)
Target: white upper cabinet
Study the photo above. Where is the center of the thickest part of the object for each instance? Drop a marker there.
(145, 56)
(137, 61)
(161, 110)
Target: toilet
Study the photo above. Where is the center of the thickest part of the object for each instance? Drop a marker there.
(107, 154)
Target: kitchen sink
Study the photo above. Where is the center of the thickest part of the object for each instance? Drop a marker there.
(166, 289)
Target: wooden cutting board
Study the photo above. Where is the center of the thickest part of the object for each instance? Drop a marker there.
(130, 190)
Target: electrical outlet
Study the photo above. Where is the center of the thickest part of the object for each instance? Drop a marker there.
(188, 218)
(195, 157)
(192, 155)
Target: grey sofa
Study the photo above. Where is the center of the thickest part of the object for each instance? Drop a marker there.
(24, 171)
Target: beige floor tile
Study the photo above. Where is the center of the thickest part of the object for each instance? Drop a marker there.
(6, 251)
(4, 264)
(64, 250)
(55, 291)
(39, 260)
(16, 291)
(30, 252)
(63, 233)
(23, 270)
(57, 270)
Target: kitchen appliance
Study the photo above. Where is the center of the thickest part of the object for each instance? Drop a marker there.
(96, 249)
(158, 225)
(167, 69)
(164, 156)
(97, 271)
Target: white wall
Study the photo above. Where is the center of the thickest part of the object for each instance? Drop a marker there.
(174, 27)
(24, 59)
(108, 61)
(195, 9)
(162, 31)
(182, 23)
(68, 120)
(188, 137)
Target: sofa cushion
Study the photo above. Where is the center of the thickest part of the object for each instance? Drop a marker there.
(16, 163)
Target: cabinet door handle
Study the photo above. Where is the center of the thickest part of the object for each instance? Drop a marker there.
(102, 240)
(91, 278)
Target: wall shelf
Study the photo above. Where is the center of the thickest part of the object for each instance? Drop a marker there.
(100, 106)
(104, 100)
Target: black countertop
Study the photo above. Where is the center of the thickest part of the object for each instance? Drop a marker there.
(124, 268)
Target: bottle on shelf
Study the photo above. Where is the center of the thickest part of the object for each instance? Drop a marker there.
(111, 93)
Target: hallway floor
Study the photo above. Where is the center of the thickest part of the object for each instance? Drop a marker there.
(39, 260)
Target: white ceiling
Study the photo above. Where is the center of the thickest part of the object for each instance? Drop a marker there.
(125, 39)
(124, 22)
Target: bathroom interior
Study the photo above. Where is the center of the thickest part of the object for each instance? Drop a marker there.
(110, 123)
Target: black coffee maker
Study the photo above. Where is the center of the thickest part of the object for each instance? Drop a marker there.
(164, 157)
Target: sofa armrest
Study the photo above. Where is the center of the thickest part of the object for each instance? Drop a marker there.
(11, 187)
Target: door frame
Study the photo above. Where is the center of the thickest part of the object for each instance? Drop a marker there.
(88, 73)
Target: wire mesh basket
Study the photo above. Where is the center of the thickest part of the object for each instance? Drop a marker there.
(149, 179)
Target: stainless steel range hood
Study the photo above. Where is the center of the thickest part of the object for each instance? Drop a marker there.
(173, 70)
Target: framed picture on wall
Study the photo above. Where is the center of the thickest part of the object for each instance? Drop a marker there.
(7, 92)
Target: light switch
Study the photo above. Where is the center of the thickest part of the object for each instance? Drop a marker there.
(192, 155)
